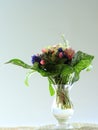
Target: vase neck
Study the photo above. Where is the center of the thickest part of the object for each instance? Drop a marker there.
(64, 87)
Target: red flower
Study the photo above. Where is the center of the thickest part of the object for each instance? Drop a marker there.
(69, 53)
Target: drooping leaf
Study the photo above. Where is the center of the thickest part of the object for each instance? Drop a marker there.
(51, 89)
(27, 77)
(19, 62)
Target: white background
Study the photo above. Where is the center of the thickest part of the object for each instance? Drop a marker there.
(26, 26)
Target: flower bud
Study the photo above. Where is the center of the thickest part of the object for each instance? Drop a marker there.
(42, 62)
(60, 55)
(44, 50)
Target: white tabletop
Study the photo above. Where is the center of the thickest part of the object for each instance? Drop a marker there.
(77, 126)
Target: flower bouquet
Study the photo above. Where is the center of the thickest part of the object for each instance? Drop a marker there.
(62, 66)
(59, 63)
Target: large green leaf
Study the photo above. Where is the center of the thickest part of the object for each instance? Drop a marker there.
(81, 56)
(81, 61)
(66, 70)
(19, 63)
(83, 64)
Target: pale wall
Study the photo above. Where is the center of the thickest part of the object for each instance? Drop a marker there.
(25, 27)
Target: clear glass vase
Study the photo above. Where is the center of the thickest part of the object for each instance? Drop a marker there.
(62, 107)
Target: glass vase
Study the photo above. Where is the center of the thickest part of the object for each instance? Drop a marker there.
(62, 107)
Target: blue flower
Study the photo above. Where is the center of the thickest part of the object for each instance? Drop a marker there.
(35, 59)
(60, 50)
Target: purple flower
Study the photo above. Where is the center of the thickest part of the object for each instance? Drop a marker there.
(35, 59)
(60, 50)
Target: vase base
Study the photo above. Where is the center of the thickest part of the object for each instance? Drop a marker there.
(63, 127)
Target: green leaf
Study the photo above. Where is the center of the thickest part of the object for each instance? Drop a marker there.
(51, 89)
(66, 70)
(67, 74)
(80, 62)
(76, 76)
(19, 62)
(52, 92)
(81, 56)
(27, 77)
(83, 64)
(89, 68)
